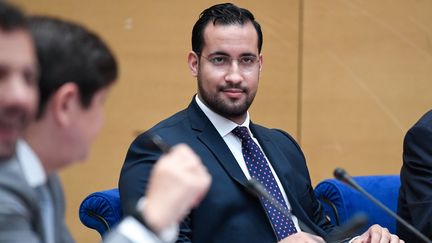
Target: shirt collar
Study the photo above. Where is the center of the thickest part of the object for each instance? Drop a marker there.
(31, 165)
(222, 125)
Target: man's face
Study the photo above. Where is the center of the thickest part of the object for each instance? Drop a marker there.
(18, 87)
(228, 69)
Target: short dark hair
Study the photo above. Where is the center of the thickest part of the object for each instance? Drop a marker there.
(68, 52)
(11, 18)
(223, 14)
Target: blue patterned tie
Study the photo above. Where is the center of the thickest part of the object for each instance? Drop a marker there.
(260, 170)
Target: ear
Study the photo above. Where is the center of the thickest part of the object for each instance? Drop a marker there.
(65, 102)
(193, 62)
(261, 61)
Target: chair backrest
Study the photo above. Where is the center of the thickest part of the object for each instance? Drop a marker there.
(101, 210)
(341, 202)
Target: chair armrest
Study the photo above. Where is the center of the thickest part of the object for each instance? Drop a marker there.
(101, 210)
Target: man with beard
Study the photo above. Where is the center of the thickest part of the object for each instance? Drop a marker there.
(226, 59)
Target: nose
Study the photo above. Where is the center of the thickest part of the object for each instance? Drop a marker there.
(234, 74)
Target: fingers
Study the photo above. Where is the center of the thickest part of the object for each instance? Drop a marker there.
(378, 234)
(178, 182)
(195, 175)
(395, 239)
(302, 237)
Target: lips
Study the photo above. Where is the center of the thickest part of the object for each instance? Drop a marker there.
(9, 133)
(234, 93)
(11, 126)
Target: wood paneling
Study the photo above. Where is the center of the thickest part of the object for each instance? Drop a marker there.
(367, 78)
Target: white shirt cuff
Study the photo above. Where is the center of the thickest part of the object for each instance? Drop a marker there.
(136, 232)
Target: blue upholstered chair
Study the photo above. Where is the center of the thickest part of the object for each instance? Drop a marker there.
(341, 202)
(101, 210)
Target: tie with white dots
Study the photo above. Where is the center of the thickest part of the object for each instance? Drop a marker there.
(260, 170)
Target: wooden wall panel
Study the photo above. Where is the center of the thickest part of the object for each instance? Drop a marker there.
(151, 40)
(367, 78)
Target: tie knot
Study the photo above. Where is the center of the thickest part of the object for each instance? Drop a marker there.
(241, 132)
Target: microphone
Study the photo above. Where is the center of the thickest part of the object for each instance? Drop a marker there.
(343, 176)
(357, 222)
(154, 141)
(160, 143)
(348, 229)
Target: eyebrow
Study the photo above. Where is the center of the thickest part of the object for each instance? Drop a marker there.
(221, 53)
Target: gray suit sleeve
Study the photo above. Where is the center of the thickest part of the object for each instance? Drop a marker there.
(15, 220)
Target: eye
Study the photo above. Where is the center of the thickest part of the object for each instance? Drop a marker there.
(30, 76)
(4, 72)
(248, 60)
(219, 60)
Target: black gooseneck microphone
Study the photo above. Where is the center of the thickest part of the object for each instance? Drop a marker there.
(352, 226)
(343, 176)
(257, 189)
(349, 229)
(158, 142)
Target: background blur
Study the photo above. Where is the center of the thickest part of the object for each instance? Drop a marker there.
(347, 78)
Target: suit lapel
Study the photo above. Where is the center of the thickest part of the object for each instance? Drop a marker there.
(221, 151)
(209, 136)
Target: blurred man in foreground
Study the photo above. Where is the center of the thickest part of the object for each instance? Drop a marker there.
(76, 72)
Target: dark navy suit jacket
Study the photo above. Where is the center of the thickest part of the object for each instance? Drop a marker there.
(229, 213)
(415, 195)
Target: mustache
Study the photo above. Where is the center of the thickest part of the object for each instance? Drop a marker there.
(234, 86)
(14, 117)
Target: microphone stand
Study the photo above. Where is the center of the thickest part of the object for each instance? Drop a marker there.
(357, 222)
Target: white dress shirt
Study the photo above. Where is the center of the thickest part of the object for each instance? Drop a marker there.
(30, 164)
(36, 177)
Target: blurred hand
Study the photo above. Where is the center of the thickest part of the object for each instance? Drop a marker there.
(178, 182)
(377, 234)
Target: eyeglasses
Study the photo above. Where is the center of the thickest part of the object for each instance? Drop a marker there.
(245, 63)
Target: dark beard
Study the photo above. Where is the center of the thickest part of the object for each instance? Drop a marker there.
(221, 106)
(10, 148)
